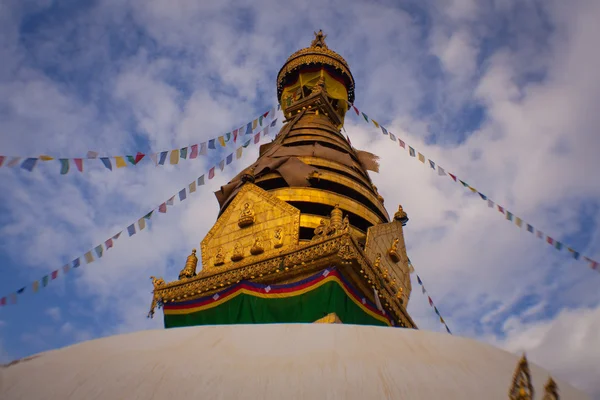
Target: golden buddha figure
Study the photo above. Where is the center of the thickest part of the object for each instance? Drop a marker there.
(219, 257)
(257, 247)
(278, 239)
(189, 271)
(246, 216)
(238, 252)
(393, 251)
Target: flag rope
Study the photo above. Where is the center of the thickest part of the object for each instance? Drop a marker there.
(519, 222)
(431, 303)
(159, 158)
(99, 250)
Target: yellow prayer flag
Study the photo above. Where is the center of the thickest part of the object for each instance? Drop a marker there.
(174, 159)
(193, 187)
(222, 141)
(442, 320)
(254, 124)
(375, 123)
(421, 158)
(120, 162)
(89, 258)
(518, 221)
(473, 189)
(142, 223)
(36, 286)
(44, 157)
(238, 152)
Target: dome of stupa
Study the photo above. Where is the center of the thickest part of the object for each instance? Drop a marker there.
(272, 361)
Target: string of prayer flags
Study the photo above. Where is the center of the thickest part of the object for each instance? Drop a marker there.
(109, 243)
(508, 215)
(432, 304)
(159, 158)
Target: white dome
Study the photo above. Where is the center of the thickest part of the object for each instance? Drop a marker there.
(299, 361)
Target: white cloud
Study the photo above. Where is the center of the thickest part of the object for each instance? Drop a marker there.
(54, 313)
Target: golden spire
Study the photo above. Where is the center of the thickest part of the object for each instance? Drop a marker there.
(319, 40)
(189, 271)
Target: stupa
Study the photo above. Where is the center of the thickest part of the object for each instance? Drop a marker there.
(302, 290)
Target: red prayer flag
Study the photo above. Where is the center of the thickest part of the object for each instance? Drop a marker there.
(452, 176)
(549, 240)
(108, 244)
(501, 209)
(54, 274)
(430, 301)
(79, 164)
(235, 135)
(402, 144)
(138, 157)
(194, 152)
(2, 158)
(162, 208)
(257, 138)
(211, 173)
(3, 301)
(355, 110)
(265, 114)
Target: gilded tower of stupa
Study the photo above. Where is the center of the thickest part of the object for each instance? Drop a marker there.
(302, 234)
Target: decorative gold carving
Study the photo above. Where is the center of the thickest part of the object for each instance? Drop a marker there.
(246, 216)
(551, 390)
(278, 238)
(379, 197)
(336, 224)
(522, 388)
(257, 248)
(319, 40)
(401, 216)
(377, 262)
(238, 252)
(157, 283)
(393, 252)
(219, 257)
(189, 271)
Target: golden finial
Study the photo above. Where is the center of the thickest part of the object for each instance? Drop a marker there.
(246, 216)
(189, 271)
(401, 216)
(319, 40)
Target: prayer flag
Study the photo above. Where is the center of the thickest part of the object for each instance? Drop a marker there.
(442, 320)
(249, 128)
(436, 310)
(183, 153)
(501, 209)
(421, 158)
(13, 162)
(227, 136)
(44, 157)
(222, 141)
(29, 164)
(229, 158)
(142, 223)
(174, 158)
(509, 215)
(411, 151)
(247, 143)
(201, 180)
(106, 162)
(257, 138)
(464, 184)
(384, 131)
(171, 201)
(154, 159)
(392, 137)
(108, 244)
(76, 263)
(558, 245)
(432, 165)
(194, 152)
(447, 329)
(375, 123)
(549, 240)
(64, 166)
(149, 215)
(211, 144)
(79, 164)
(221, 164)
(163, 157)
(235, 132)
(529, 228)
(211, 173)
(36, 286)
(238, 152)
(89, 258)
(266, 131)
(182, 195)
(117, 235)
(2, 158)
(192, 187)
(355, 110)
(92, 155)
(419, 280)
(162, 208)
(254, 124)
(131, 159)
(20, 291)
(430, 301)
(518, 222)
(131, 230)
(203, 150)
(260, 119)
(45, 280)
(365, 117)
(452, 176)
(66, 268)
(99, 250)
(483, 196)
(441, 171)
(539, 234)
(403, 145)
(138, 157)
(120, 162)
(273, 123)
(575, 253)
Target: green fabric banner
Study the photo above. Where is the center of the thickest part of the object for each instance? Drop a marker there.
(296, 308)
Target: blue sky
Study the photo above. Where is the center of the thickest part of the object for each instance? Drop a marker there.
(501, 93)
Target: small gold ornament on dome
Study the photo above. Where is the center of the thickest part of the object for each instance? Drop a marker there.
(246, 216)
(393, 251)
(189, 271)
(219, 257)
(256, 247)
(238, 252)
(401, 216)
(377, 262)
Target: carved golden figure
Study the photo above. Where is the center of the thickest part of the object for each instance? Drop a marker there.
(189, 271)
(246, 216)
(345, 224)
(238, 252)
(320, 230)
(257, 247)
(401, 216)
(157, 282)
(393, 252)
(219, 257)
(278, 239)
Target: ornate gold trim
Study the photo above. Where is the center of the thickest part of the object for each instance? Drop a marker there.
(521, 388)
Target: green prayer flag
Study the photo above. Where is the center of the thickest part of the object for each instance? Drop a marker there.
(64, 166)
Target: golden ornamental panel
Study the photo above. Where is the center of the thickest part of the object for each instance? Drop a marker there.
(255, 223)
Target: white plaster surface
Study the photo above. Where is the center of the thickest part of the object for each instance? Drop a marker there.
(291, 361)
